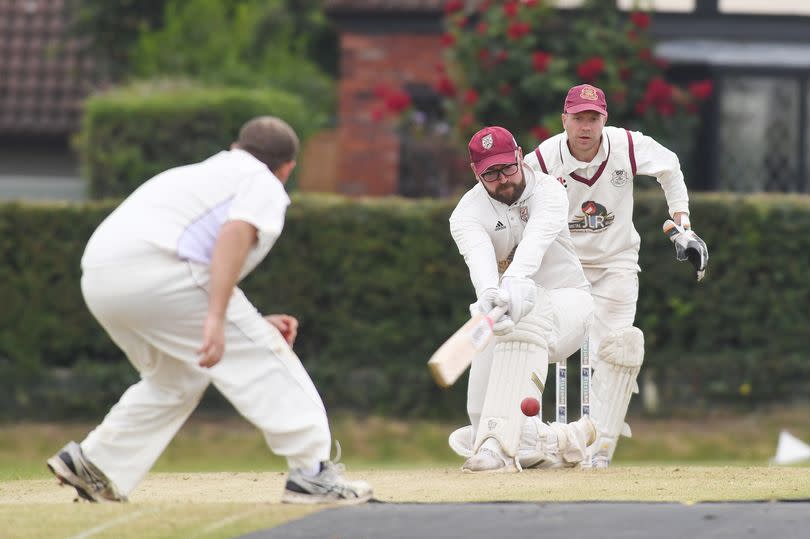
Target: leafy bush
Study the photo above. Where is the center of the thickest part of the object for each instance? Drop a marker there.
(378, 284)
(242, 43)
(510, 63)
(131, 133)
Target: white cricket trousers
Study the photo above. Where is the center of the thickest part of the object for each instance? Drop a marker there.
(615, 293)
(573, 309)
(153, 307)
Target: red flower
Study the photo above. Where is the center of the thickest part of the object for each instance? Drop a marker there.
(377, 114)
(501, 56)
(666, 109)
(510, 8)
(505, 89)
(517, 30)
(658, 91)
(540, 61)
(692, 108)
(481, 28)
(397, 101)
(484, 56)
(540, 132)
(381, 91)
(471, 96)
(661, 63)
(446, 87)
(624, 73)
(462, 22)
(640, 20)
(466, 120)
(453, 6)
(640, 108)
(701, 90)
(645, 54)
(591, 68)
(440, 67)
(448, 39)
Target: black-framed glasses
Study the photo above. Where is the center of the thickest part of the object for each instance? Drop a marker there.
(494, 174)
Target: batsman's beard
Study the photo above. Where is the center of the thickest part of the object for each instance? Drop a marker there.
(509, 193)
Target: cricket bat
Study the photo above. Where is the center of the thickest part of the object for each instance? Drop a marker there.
(455, 355)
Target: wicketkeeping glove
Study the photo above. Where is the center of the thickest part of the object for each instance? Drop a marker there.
(688, 246)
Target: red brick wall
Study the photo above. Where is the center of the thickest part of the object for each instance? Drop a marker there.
(368, 150)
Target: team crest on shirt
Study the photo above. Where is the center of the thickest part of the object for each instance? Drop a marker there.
(486, 142)
(524, 214)
(594, 218)
(563, 181)
(619, 178)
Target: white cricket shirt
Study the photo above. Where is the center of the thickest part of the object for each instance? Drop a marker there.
(181, 211)
(600, 193)
(529, 238)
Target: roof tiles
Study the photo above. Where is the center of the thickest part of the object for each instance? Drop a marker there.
(44, 77)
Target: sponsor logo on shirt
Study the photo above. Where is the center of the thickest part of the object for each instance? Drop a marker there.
(619, 178)
(499, 226)
(595, 218)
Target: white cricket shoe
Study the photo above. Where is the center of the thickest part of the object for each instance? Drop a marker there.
(490, 459)
(541, 445)
(328, 486)
(72, 468)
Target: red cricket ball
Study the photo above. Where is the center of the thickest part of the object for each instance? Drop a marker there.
(530, 406)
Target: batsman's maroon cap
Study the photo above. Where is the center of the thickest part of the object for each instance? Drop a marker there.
(492, 146)
(585, 97)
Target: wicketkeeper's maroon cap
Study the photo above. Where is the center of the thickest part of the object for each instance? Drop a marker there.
(585, 97)
(492, 146)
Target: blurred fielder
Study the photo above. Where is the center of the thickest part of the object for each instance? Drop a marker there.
(597, 164)
(160, 275)
(512, 230)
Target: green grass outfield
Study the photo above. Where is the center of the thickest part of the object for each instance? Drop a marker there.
(217, 479)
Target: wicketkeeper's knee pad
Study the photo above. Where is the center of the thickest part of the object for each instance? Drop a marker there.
(519, 369)
(614, 381)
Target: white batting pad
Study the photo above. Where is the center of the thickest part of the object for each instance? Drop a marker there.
(519, 370)
(614, 380)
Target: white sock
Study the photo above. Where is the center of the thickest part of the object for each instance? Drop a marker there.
(311, 471)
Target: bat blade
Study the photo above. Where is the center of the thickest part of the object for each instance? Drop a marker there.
(453, 357)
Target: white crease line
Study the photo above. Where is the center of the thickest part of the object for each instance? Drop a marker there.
(228, 520)
(114, 522)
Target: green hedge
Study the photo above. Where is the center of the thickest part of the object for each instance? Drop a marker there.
(131, 133)
(377, 285)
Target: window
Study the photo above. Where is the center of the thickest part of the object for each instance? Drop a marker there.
(760, 133)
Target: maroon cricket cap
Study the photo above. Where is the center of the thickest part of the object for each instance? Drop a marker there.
(585, 97)
(492, 146)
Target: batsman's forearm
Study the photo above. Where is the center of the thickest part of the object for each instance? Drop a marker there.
(230, 251)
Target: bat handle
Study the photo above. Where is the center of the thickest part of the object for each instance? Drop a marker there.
(495, 313)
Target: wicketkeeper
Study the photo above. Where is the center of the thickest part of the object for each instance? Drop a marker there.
(598, 166)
